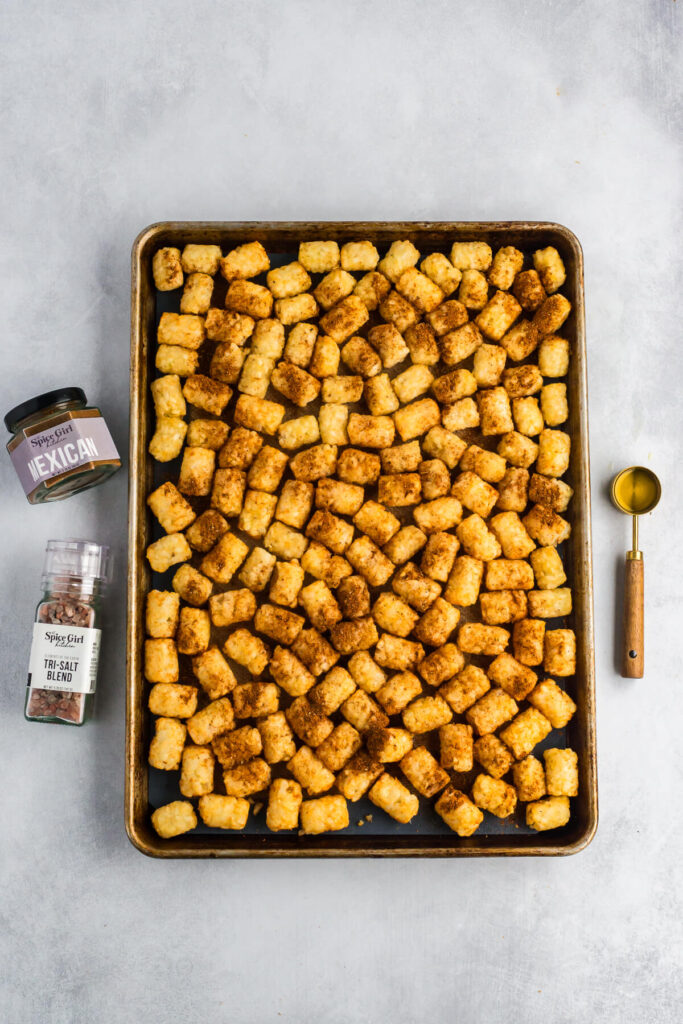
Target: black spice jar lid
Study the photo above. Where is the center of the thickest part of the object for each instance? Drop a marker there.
(34, 405)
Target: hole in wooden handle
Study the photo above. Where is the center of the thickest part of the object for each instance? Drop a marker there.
(633, 654)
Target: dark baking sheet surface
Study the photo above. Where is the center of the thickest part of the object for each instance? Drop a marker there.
(164, 786)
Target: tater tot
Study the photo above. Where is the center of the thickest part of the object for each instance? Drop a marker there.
(527, 415)
(551, 314)
(389, 744)
(167, 269)
(464, 581)
(493, 756)
(422, 345)
(300, 344)
(333, 419)
(494, 796)
(494, 411)
(498, 315)
(528, 290)
(357, 776)
(488, 365)
(545, 490)
(516, 679)
(284, 802)
(426, 713)
(458, 811)
(491, 711)
(176, 359)
(554, 448)
(167, 442)
(387, 341)
(550, 268)
(553, 812)
(553, 356)
(420, 291)
(237, 747)
(507, 263)
(439, 556)
(401, 255)
(310, 772)
(529, 779)
(344, 319)
(325, 359)
(166, 747)
(512, 536)
(196, 776)
(554, 404)
(326, 814)
(464, 689)
(394, 798)
(319, 257)
(366, 672)
(561, 772)
(423, 771)
(438, 515)
(416, 419)
(161, 613)
(245, 261)
(554, 703)
(342, 743)
(372, 289)
(196, 297)
(359, 256)
(559, 652)
(442, 272)
(405, 544)
(513, 489)
(396, 694)
(525, 731)
(437, 623)
(174, 819)
(477, 540)
(443, 663)
(473, 291)
(161, 661)
(291, 279)
(277, 739)
(461, 415)
(228, 812)
(456, 746)
(527, 641)
(397, 653)
(545, 526)
(445, 445)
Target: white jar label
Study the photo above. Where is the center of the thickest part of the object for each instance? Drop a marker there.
(64, 658)
(42, 456)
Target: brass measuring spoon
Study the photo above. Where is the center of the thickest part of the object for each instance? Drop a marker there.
(635, 491)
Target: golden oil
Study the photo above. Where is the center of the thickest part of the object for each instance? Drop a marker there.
(636, 490)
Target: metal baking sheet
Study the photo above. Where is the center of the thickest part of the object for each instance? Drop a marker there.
(371, 832)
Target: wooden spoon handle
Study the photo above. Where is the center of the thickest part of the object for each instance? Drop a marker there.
(634, 644)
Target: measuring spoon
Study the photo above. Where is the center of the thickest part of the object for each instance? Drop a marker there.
(635, 491)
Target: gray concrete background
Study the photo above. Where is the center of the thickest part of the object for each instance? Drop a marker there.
(114, 116)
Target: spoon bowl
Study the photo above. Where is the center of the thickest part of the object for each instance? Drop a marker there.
(636, 491)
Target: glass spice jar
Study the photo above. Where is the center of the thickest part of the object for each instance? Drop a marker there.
(60, 445)
(66, 633)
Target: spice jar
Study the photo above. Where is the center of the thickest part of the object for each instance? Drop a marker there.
(66, 633)
(60, 445)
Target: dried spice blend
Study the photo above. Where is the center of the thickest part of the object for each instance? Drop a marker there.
(66, 633)
(59, 445)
